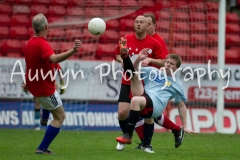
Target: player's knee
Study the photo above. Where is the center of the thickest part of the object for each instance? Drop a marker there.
(123, 114)
(123, 110)
(134, 102)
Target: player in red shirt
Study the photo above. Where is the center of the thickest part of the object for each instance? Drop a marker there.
(37, 106)
(162, 120)
(40, 59)
(135, 43)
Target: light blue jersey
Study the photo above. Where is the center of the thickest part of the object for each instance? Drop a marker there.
(159, 90)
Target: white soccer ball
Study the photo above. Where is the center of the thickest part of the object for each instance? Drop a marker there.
(96, 26)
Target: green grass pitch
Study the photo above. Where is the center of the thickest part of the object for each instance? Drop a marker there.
(100, 145)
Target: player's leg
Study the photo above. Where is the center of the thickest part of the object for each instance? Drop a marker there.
(123, 111)
(148, 126)
(139, 130)
(52, 103)
(138, 103)
(37, 109)
(163, 121)
(137, 90)
(148, 131)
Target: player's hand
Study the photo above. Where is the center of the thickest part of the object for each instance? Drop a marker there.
(143, 54)
(146, 62)
(24, 88)
(62, 91)
(189, 131)
(77, 45)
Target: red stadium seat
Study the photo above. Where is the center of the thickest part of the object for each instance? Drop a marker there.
(196, 54)
(57, 11)
(232, 18)
(56, 19)
(129, 3)
(181, 16)
(212, 17)
(126, 24)
(232, 28)
(163, 25)
(111, 12)
(124, 33)
(198, 28)
(164, 15)
(19, 32)
(59, 2)
(21, 9)
(165, 36)
(181, 39)
(94, 3)
(198, 39)
(20, 20)
(6, 9)
(112, 24)
(88, 36)
(87, 49)
(106, 50)
(110, 35)
(232, 40)
(112, 3)
(24, 44)
(1, 46)
(56, 33)
(28, 2)
(11, 45)
(212, 40)
(5, 32)
(212, 28)
(212, 6)
(35, 9)
(197, 7)
(55, 46)
(149, 3)
(232, 56)
(197, 16)
(14, 55)
(44, 2)
(180, 51)
(211, 54)
(180, 26)
(75, 11)
(92, 12)
(65, 46)
(5, 20)
(73, 33)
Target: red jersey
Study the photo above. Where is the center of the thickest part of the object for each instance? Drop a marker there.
(135, 46)
(57, 66)
(163, 44)
(37, 54)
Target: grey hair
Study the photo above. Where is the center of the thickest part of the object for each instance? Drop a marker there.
(39, 22)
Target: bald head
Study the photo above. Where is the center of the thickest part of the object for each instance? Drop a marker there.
(141, 17)
(39, 23)
(140, 26)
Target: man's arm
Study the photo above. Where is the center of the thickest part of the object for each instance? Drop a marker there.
(56, 58)
(183, 116)
(156, 62)
(119, 59)
(183, 113)
(141, 56)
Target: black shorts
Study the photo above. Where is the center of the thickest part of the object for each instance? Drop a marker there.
(125, 94)
(148, 110)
